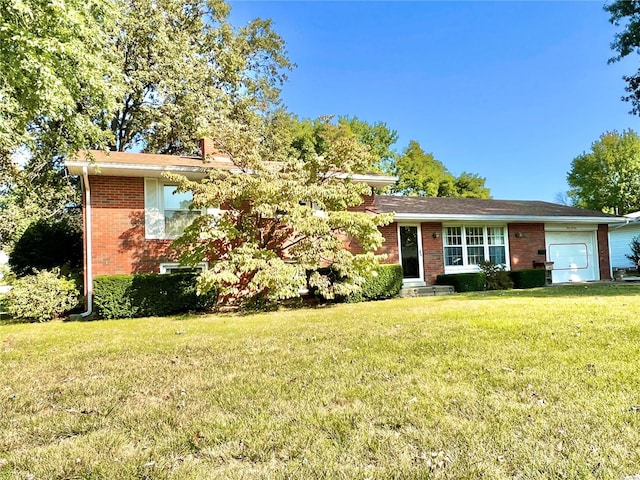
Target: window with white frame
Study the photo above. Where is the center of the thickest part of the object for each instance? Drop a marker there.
(468, 245)
(177, 214)
(168, 268)
(167, 212)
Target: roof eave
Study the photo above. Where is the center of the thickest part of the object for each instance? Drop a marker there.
(132, 170)
(422, 217)
(138, 170)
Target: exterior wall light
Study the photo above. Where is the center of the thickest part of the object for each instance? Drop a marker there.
(436, 234)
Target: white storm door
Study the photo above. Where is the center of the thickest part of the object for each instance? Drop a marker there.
(410, 252)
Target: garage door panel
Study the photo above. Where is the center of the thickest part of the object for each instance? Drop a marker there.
(568, 256)
(573, 255)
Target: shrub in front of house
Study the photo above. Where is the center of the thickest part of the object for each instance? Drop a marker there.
(384, 282)
(463, 282)
(148, 295)
(530, 278)
(41, 297)
(496, 276)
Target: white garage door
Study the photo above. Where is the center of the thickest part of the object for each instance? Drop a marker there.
(573, 255)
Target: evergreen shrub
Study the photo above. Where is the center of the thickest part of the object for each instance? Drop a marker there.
(463, 282)
(148, 295)
(530, 278)
(385, 282)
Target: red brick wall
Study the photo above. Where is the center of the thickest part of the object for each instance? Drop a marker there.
(432, 251)
(117, 221)
(390, 245)
(524, 250)
(603, 252)
(368, 204)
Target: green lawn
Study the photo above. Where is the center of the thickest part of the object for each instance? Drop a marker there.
(522, 384)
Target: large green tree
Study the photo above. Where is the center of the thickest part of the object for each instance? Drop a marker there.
(282, 220)
(150, 74)
(58, 76)
(378, 137)
(185, 66)
(56, 60)
(608, 177)
(626, 13)
(421, 174)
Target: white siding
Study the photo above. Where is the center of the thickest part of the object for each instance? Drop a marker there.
(619, 240)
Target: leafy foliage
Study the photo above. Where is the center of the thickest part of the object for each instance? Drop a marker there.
(496, 276)
(463, 282)
(119, 73)
(41, 297)
(131, 296)
(627, 13)
(608, 177)
(421, 174)
(382, 283)
(635, 251)
(378, 137)
(283, 219)
(47, 245)
(184, 65)
(57, 75)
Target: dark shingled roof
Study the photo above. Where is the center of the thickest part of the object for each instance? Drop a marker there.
(478, 206)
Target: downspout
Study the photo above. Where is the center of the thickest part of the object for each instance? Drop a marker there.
(88, 272)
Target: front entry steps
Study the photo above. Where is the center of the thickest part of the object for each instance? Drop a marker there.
(423, 290)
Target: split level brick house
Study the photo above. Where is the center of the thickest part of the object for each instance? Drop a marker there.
(131, 215)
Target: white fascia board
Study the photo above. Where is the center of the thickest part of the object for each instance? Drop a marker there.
(423, 217)
(373, 180)
(124, 169)
(118, 169)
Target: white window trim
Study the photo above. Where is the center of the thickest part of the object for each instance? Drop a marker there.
(154, 213)
(317, 211)
(466, 268)
(418, 226)
(167, 266)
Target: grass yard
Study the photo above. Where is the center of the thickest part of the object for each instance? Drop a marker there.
(522, 384)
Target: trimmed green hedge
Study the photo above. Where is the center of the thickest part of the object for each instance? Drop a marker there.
(387, 283)
(463, 282)
(148, 295)
(531, 278)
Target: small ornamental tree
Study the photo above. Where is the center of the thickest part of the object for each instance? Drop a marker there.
(635, 252)
(283, 220)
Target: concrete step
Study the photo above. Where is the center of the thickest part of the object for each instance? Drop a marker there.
(426, 291)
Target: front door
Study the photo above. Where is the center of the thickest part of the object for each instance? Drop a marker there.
(410, 242)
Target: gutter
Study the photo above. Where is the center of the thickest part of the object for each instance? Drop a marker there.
(501, 218)
(88, 272)
(144, 169)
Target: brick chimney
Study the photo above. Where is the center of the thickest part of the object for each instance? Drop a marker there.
(206, 147)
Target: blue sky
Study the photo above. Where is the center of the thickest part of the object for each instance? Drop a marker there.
(512, 91)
